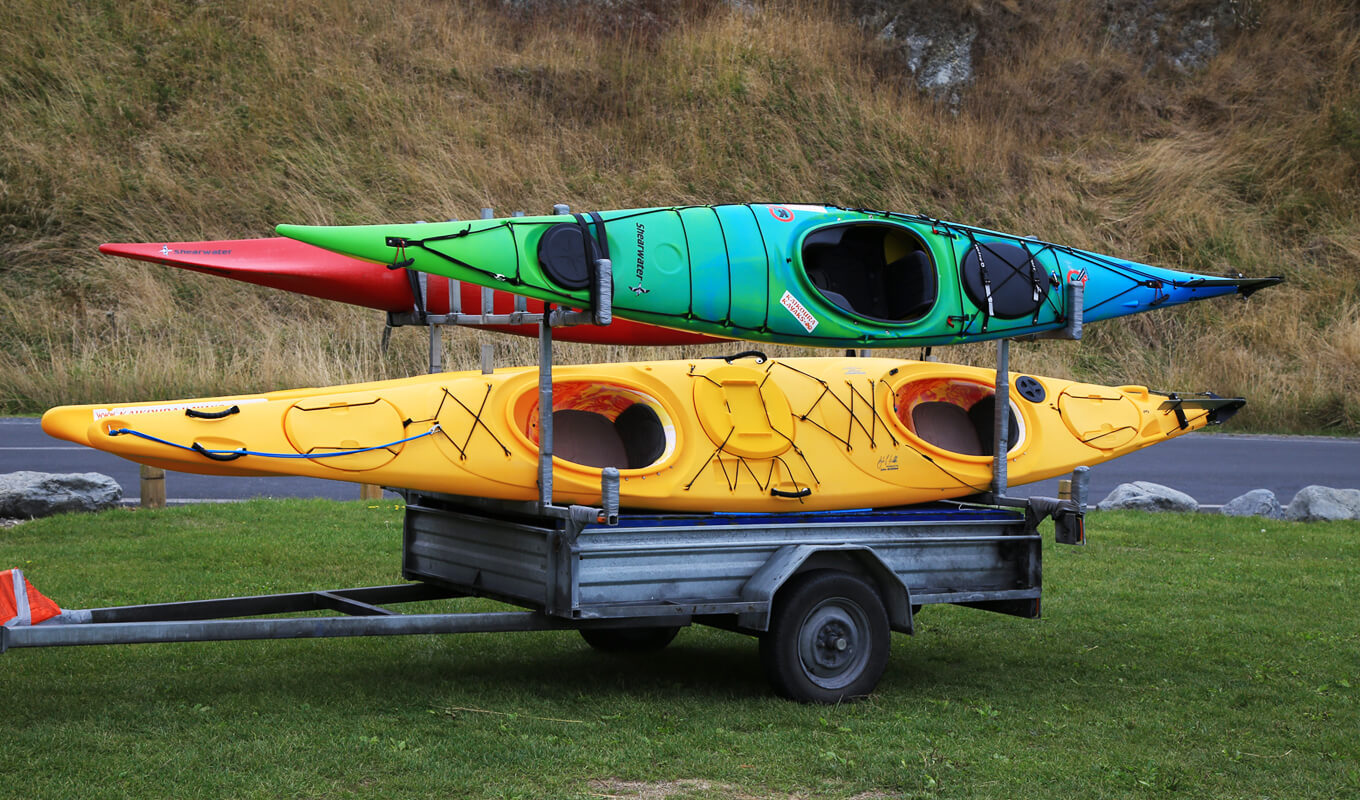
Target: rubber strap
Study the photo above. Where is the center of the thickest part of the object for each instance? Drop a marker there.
(601, 238)
(592, 274)
(986, 287)
(1035, 286)
(586, 236)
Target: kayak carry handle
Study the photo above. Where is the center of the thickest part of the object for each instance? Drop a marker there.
(760, 357)
(801, 493)
(224, 413)
(201, 450)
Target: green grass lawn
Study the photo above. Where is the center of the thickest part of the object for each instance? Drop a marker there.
(1189, 656)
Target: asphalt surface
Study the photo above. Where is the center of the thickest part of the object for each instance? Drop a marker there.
(1212, 468)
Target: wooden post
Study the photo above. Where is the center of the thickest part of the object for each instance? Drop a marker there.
(370, 491)
(153, 487)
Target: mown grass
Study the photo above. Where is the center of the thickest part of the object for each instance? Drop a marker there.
(1180, 655)
(154, 121)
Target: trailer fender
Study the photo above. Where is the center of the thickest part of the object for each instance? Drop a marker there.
(790, 560)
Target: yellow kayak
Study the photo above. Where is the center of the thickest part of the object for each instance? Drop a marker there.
(699, 435)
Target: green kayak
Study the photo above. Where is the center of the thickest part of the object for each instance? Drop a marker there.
(797, 274)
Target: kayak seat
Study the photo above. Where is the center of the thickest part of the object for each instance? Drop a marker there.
(642, 434)
(845, 263)
(587, 438)
(947, 426)
(909, 286)
(636, 439)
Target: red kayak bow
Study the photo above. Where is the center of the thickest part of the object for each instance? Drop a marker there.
(293, 266)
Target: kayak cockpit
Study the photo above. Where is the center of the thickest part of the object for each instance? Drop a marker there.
(603, 425)
(954, 415)
(872, 270)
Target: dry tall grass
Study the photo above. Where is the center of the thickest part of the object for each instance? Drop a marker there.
(156, 121)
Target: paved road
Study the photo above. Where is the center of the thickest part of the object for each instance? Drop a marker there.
(1212, 468)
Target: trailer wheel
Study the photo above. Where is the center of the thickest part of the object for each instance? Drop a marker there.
(629, 640)
(828, 638)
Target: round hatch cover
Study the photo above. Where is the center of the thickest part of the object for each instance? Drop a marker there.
(1016, 282)
(1030, 389)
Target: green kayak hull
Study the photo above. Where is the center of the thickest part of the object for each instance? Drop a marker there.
(795, 274)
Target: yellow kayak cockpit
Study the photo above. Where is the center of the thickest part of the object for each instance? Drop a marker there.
(601, 425)
(955, 415)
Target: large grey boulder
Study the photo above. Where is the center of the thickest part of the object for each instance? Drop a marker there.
(1256, 503)
(1324, 504)
(42, 494)
(1147, 496)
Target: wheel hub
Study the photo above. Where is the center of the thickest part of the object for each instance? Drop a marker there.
(830, 643)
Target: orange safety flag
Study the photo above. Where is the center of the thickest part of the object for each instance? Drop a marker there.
(20, 603)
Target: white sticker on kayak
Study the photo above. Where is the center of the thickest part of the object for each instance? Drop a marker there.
(814, 209)
(100, 413)
(799, 313)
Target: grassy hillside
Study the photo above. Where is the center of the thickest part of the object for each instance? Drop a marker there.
(155, 120)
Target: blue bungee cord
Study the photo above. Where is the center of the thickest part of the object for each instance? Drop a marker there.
(232, 455)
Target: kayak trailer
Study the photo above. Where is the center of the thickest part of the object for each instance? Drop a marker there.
(822, 590)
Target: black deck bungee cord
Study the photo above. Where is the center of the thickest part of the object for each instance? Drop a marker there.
(476, 420)
(826, 390)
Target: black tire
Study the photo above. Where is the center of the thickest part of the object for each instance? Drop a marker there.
(828, 638)
(629, 640)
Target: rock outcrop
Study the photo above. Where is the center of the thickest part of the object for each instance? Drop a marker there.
(1183, 36)
(935, 43)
